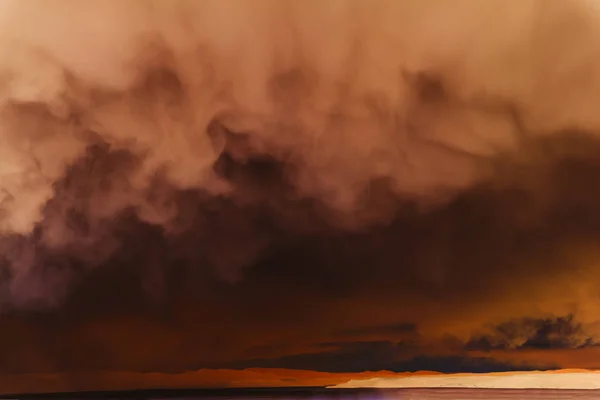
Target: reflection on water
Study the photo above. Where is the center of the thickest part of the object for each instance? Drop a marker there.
(487, 394)
(407, 394)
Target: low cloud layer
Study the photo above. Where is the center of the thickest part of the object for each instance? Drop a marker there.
(385, 356)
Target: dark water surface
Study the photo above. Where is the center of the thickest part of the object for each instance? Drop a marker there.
(329, 394)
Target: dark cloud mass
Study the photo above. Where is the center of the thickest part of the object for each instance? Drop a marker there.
(530, 333)
(384, 356)
(221, 185)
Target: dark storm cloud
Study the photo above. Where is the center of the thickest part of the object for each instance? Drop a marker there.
(532, 333)
(289, 154)
(121, 202)
(496, 238)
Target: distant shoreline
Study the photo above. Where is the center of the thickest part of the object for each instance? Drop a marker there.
(535, 380)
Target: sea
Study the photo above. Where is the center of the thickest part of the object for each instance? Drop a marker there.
(320, 393)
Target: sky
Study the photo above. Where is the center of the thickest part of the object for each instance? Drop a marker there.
(284, 192)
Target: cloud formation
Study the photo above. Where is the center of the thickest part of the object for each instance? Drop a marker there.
(529, 333)
(182, 108)
(385, 356)
(223, 184)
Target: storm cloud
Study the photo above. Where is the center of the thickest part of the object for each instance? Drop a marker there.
(170, 119)
(530, 333)
(223, 184)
